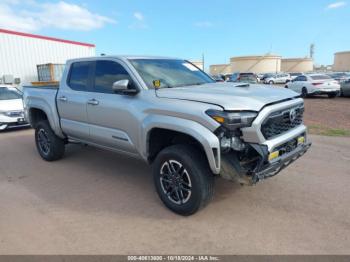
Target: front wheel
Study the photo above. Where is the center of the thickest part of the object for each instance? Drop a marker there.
(271, 82)
(183, 179)
(49, 146)
(332, 95)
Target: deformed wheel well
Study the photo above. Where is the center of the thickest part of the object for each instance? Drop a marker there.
(160, 138)
(36, 115)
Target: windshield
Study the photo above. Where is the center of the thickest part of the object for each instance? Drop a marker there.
(170, 72)
(9, 93)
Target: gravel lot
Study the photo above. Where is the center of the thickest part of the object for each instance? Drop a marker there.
(329, 113)
(97, 202)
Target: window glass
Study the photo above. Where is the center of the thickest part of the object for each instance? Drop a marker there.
(301, 78)
(320, 77)
(170, 72)
(79, 76)
(106, 73)
(9, 93)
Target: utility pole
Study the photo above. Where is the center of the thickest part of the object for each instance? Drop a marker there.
(203, 62)
(312, 50)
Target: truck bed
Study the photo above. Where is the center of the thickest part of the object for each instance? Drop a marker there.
(43, 98)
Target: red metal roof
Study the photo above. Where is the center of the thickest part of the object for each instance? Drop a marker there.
(45, 38)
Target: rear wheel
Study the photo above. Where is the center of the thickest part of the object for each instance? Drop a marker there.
(183, 179)
(49, 146)
(304, 92)
(271, 82)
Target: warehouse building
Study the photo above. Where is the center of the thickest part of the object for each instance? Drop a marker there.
(302, 65)
(341, 61)
(20, 53)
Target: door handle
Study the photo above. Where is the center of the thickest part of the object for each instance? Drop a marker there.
(63, 99)
(93, 102)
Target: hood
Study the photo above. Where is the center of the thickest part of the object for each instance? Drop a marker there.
(230, 96)
(11, 105)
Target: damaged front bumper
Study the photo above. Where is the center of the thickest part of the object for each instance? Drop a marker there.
(232, 169)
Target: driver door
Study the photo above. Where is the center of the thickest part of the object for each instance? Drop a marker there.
(111, 124)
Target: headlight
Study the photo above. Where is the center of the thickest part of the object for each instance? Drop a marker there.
(234, 119)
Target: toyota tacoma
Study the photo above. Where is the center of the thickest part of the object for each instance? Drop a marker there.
(174, 116)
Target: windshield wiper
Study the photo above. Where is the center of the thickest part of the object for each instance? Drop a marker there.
(194, 84)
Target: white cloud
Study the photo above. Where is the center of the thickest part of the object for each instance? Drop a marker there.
(61, 15)
(204, 24)
(139, 21)
(336, 5)
(139, 16)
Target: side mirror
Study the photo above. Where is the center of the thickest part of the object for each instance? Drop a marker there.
(122, 87)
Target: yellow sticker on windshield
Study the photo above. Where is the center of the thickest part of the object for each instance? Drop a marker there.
(156, 83)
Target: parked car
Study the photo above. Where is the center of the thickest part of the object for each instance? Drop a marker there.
(244, 77)
(174, 116)
(314, 84)
(345, 88)
(227, 77)
(277, 79)
(339, 76)
(260, 76)
(218, 78)
(266, 75)
(294, 75)
(11, 108)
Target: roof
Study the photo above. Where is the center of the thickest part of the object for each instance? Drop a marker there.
(45, 38)
(121, 57)
(342, 52)
(296, 59)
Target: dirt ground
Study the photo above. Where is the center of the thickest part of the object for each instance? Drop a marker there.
(328, 113)
(97, 202)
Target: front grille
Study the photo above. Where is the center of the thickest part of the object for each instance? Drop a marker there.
(280, 122)
(15, 114)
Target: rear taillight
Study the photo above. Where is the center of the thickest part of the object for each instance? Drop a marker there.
(316, 84)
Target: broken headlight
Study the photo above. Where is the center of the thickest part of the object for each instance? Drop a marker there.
(233, 119)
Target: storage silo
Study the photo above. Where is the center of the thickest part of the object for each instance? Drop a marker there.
(341, 61)
(302, 65)
(257, 64)
(220, 69)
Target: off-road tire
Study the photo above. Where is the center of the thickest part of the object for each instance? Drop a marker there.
(55, 145)
(201, 178)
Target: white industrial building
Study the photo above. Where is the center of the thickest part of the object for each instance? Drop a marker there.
(20, 53)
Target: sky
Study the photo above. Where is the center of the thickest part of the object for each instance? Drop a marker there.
(189, 28)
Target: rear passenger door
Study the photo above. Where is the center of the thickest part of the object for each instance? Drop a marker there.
(111, 123)
(71, 100)
(298, 83)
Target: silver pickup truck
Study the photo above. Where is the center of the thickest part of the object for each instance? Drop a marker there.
(174, 116)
